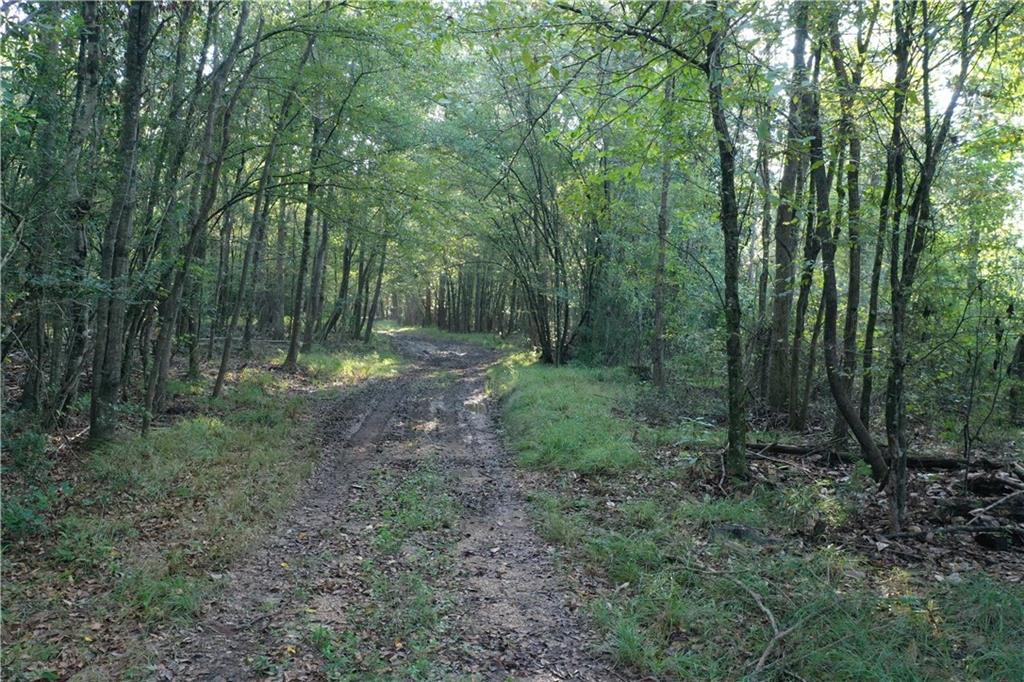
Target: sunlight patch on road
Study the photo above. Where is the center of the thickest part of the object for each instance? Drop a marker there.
(428, 426)
(476, 400)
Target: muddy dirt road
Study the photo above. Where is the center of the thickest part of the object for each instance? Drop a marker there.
(409, 555)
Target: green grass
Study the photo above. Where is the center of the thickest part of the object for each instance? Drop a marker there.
(418, 503)
(150, 521)
(483, 339)
(680, 605)
(358, 364)
(562, 418)
(402, 616)
(395, 620)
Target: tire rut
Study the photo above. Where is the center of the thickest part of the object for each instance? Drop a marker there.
(509, 613)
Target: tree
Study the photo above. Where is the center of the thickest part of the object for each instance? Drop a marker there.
(110, 313)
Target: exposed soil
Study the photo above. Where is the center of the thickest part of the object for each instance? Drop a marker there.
(508, 614)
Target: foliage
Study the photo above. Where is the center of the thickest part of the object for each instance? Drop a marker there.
(207, 484)
(563, 418)
(677, 606)
(783, 214)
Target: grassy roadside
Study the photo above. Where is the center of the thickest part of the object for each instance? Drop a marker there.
(682, 599)
(111, 544)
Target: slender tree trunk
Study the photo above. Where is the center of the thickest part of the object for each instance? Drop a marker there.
(256, 294)
(212, 157)
(812, 247)
(812, 357)
(110, 315)
(79, 203)
(376, 292)
(828, 252)
(764, 331)
(342, 301)
(1015, 370)
(356, 323)
(221, 292)
(658, 346)
(735, 455)
(850, 86)
(43, 215)
(890, 207)
(280, 284)
(257, 216)
(315, 286)
(163, 185)
(904, 259)
(291, 362)
(868, 354)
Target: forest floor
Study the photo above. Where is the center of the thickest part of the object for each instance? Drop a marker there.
(409, 555)
(791, 574)
(441, 507)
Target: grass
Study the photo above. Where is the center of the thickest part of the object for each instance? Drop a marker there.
(397, 632)
(492, 341)
(135, 534)
(396, 617)
(357, 363)
(417, 503)
(563, 418)
(680, 604)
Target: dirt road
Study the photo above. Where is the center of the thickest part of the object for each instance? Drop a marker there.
(409, 555)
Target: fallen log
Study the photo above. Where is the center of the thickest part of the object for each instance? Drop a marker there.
(942, 530)
(998, 538)
(927, 463)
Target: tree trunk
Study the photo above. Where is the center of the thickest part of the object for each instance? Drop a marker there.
(849, 84)
(79, 203)
(1015, 370)
(313, 307)
(904, 259)
(735, 455)
(890, 206)
(828, 252)
(376, 293)
(218, 116)
(658, 345)
(257, 216)
(277, 301)
(43, 215)
(110, 315)
(291, 362)
(356, 323)
(812, 246)
(785, 219)
(812, 358)
(340, 303)
(764, 331)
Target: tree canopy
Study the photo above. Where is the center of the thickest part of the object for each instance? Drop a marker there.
(816, 204)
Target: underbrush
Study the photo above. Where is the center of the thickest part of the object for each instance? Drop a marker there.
(136, 534)
(702, 585)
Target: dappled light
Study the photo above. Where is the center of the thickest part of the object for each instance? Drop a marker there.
(512, 340)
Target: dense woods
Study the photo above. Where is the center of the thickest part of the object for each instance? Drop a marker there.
(183, 178)
(812, 209)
